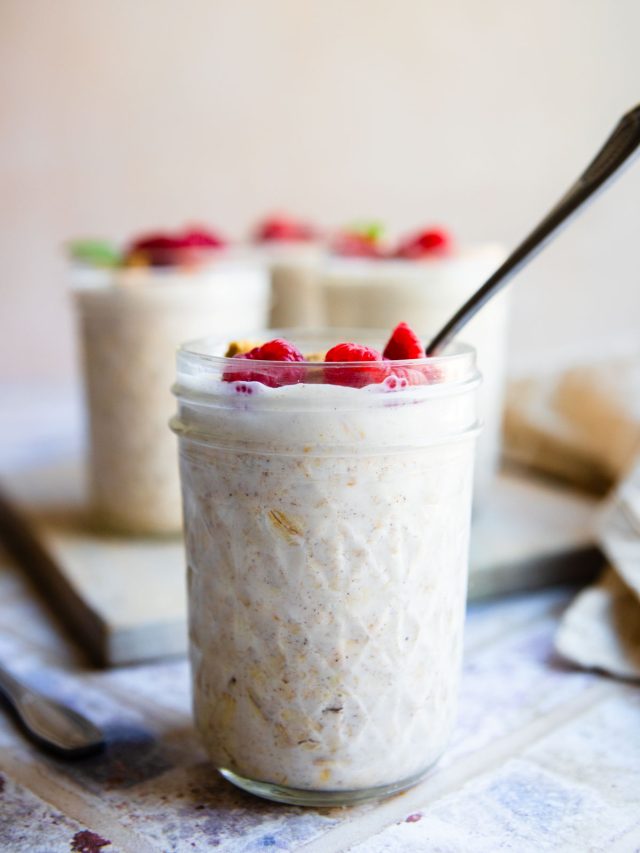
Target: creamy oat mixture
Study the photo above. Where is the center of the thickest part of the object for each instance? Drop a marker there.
(327, 536)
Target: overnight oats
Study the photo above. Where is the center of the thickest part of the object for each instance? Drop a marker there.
(327, 503)
(293, 251)
(425, 279)
(134, 310)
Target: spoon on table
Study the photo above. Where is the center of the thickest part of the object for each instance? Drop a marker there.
(615, 153)
(48, 723)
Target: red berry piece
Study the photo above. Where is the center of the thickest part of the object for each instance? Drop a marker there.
(353, 244)
(352, 352)
(370, 368)
(164, 249)
(275, 350)
(157, 240)
(284, 229)
(403, 343)
(160, 249)
(432, 241)
(201, 238)
(423, 373)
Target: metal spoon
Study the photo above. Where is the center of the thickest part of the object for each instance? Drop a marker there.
(615, 153)
(49, 723)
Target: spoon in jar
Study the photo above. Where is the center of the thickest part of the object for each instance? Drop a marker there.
(615, 153)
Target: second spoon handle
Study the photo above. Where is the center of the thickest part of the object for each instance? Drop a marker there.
(616, 152)
(50, 723)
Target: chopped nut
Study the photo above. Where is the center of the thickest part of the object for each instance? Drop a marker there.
(137, 260)
(240, 347)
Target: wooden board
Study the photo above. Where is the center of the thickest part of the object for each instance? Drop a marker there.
(533, 534)
(124, 598)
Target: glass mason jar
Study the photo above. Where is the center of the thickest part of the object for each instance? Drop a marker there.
(327, 533)
(131, 322)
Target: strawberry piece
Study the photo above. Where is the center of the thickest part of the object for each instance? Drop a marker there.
(403, 343)
(276, 350)
(356, 376)
(431, 241)
(283, 228)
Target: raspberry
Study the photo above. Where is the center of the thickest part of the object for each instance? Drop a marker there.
(403, 343)
(275, 350)
(201, 238)
(157, 240)
(283, 228)
(159, 249)
(166, 250)
(352, 352)
(431, 241)
(355, 377)
(359, 243)
(422, 374)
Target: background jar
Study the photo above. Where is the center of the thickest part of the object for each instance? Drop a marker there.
(131, 323)
(426, 293)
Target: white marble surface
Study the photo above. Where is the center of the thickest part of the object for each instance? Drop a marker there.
(40, 422)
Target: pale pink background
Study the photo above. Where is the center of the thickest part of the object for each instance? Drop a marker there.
(122, 114)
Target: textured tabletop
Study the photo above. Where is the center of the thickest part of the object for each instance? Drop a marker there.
(544, 757)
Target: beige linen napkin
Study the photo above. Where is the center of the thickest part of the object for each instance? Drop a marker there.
(601, 628)
(583, 426)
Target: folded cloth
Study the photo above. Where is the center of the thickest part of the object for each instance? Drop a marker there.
(538, 437)
(619, 530)
(601, 628)
(602, 402)
(583, 426)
